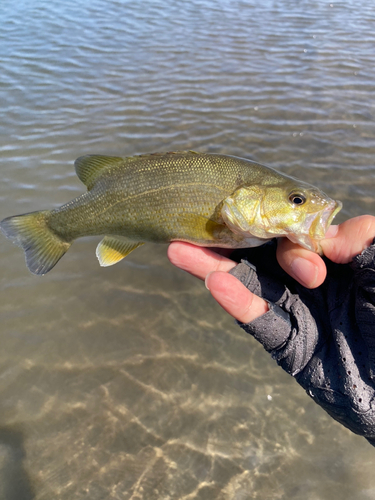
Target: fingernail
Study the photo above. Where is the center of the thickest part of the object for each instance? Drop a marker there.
(305, 272)
(332, 232)
(206, 280)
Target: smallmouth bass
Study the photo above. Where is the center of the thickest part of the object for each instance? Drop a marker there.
(211, 200)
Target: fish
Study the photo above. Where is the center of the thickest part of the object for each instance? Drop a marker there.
(207, 199)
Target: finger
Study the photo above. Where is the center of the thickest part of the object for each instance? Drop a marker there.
(306, 267)
(235, 298)
(198, 261)
(352, 237)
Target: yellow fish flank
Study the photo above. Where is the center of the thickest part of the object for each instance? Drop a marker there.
(206, 199)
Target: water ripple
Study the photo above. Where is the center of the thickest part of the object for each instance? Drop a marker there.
(129, 382)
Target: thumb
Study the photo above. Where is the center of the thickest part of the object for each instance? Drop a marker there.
(351, 238)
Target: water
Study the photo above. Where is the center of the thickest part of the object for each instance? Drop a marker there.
(130, 382)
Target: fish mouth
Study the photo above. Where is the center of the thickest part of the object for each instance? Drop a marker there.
(316, 226)
(325, 219)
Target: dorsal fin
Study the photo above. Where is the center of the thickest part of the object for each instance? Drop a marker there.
(90, 167)
(168, 153)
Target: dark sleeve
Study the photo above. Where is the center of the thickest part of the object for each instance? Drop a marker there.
(325, 337)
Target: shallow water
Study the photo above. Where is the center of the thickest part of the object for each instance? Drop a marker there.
(130, 382)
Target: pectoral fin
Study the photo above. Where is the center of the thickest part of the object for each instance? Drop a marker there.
(200, 227)
(112, 249)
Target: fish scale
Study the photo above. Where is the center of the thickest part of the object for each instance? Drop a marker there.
(205, 199)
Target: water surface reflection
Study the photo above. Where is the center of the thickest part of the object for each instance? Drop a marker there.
(130, 382)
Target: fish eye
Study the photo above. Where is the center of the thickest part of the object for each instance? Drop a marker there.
(297, 198)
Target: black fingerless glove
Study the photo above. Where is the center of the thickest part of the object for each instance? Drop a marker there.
(324, 337)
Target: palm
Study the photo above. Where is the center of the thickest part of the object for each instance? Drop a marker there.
(306, 267)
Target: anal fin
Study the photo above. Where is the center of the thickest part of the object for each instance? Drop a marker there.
(112, 249)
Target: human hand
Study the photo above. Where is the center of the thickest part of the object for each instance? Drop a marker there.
(341, 244)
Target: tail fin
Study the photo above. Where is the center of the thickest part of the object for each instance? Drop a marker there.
(42, 246)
